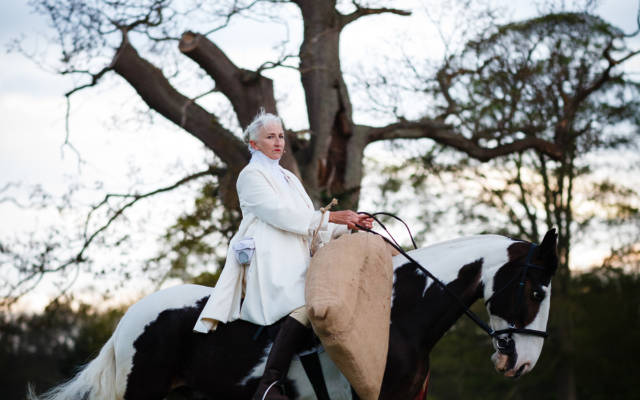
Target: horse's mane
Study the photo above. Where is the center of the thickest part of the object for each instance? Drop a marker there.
(448, 256)
(466, 239)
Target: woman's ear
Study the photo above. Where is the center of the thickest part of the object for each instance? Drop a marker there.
(253, 145)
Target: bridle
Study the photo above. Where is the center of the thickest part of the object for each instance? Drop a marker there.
(504, 344)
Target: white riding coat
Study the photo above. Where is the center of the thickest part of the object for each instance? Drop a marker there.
(279, 215)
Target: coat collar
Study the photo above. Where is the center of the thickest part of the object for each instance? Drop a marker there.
(290, 186)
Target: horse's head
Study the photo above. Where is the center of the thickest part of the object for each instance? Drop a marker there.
(518, 297)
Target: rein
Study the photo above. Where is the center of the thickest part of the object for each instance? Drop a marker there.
(505, 345)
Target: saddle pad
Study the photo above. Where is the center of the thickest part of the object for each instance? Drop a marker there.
(348, 296)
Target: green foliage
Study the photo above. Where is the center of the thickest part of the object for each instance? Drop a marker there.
(555, 78)
(605, 310)
(206, 278)
(552, 78)
(47, 349)
(198, 239)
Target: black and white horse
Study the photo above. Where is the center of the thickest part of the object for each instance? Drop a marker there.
(154, 350)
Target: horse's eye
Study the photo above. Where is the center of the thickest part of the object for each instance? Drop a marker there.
(537, 295)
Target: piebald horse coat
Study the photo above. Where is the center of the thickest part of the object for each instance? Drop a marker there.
(154, 349)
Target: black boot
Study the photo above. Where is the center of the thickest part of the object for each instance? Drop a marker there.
(289, 339)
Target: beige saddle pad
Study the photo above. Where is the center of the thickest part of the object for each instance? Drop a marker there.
(348, 296)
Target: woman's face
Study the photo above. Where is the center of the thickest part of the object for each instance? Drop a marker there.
(270, 140)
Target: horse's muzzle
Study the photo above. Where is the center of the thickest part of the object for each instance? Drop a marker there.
(500, 361)
(505, 364)
(513, 373)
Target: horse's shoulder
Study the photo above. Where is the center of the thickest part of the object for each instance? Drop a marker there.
(175, 296)
(185, 296)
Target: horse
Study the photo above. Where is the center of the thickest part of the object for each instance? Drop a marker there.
(153, 349)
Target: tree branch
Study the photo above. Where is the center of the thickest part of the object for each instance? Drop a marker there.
(531, 214)
(38, 269)
(227, 17)
(605, 76)
(364, 11)
(248, 91)
(279, 63)
(157, 92)
(135, 198)
(443, 134)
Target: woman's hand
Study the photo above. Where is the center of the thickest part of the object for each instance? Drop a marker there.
(350, 219)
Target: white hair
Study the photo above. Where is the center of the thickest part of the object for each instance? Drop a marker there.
(260, 120)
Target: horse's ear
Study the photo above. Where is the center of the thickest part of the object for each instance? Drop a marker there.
(548, 250)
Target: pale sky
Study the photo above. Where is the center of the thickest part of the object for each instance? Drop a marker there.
(121, 152)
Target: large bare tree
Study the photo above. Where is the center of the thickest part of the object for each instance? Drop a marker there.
(532, 93)
(129, 39)
(329, 159)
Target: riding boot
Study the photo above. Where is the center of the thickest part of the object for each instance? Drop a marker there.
(288, 341)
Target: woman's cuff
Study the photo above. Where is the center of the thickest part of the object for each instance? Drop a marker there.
(339, 230)
(319, 221)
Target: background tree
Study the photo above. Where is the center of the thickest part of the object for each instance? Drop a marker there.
(45, 349)
(100, 38)
(510, 124)
(552, 78)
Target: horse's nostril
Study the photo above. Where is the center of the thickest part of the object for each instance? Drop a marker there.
(502, 362)
(523, 368)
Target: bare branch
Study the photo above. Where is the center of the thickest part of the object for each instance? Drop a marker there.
(634, 33)
(95, 78)
(38, 269)
(279, 63)
(157, 92)
(135, 198)
(246, 90)
(364, 11)
(604, 77)
(524, 201)
(443, 134)
(37, 198)
(235, 10)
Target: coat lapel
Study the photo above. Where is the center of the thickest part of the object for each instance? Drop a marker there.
(295, 184)
(294, 193)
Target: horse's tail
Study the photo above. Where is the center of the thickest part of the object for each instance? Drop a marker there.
(96, 381)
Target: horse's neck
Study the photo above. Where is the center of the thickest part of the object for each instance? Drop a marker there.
(426, 312)
(465, 265)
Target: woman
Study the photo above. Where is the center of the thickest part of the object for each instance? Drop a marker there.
(273, 241)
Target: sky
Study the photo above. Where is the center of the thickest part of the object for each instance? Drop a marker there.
(119, 149)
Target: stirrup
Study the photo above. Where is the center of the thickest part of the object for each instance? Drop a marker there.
(266, 392)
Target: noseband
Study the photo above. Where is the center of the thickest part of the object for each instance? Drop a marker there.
(505, 344)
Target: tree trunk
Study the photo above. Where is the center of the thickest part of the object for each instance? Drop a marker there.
(562, 335)
(331, 165)
(565, 377)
